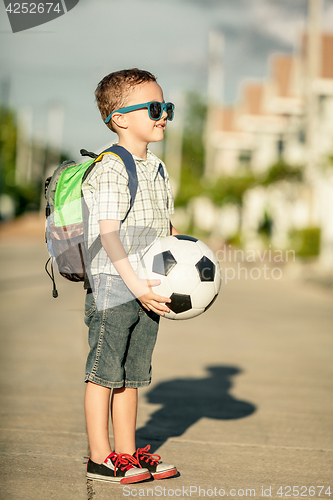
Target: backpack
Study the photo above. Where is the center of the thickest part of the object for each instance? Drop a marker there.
(67, 215)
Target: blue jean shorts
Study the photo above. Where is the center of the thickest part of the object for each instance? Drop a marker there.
(122, 335)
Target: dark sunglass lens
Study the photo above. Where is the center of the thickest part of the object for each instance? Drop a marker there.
(155, 109)
(169, 110)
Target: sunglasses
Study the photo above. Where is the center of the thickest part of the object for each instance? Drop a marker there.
(155, 110)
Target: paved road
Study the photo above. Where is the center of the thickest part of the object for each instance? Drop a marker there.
(241, 397)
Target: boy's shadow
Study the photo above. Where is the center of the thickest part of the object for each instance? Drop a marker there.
(185, 401)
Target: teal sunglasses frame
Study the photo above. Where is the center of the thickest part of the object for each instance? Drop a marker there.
(165, 106)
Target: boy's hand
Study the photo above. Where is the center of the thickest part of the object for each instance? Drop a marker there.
(141, 288)
(149, 299)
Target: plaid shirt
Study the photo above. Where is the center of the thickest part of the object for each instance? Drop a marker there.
(107, 196)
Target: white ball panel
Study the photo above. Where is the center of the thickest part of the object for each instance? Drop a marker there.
(192, 313)
(207, 251)
(170, 315)
(186, 251)
(163, 289)
(218, 279)
(183, 278)
(168, 243)
(203, 294)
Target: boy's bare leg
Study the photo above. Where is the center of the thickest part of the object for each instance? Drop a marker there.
(124, 404)
(96, 405)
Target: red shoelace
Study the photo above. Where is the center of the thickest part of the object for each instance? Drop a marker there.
(123, 459)
(143, 454)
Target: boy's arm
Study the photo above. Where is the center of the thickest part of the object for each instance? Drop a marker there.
(173, 230)
(109, 230)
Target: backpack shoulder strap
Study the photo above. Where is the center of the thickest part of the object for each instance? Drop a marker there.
(161, 171)
(130, 166)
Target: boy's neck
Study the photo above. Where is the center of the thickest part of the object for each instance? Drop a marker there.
(137, 149)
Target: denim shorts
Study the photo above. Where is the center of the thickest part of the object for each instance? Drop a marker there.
(122, 335)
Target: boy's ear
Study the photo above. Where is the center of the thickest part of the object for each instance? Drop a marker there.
(119, 119)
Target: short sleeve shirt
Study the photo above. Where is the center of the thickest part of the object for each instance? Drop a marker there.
(107, 196)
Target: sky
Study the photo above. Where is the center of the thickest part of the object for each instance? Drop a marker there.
(61, 62)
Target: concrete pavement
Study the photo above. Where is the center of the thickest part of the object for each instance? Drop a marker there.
(241, 399)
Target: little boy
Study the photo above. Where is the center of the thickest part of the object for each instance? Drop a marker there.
(123, 312)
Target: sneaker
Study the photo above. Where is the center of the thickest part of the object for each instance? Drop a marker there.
(151, 462)
(122, 468)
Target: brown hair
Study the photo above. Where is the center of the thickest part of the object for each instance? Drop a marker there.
(113, 91)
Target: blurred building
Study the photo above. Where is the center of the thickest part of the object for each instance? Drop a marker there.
(287, 121)
(268, 124)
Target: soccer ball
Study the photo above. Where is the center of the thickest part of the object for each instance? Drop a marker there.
(189, 273)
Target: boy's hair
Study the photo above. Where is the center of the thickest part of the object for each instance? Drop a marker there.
(113, 91)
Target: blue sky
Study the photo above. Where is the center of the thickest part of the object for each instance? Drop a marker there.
(62, 61)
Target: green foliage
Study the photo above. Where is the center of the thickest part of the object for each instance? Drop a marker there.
(282, 171)
(193, 148)
(190, 187)
(26, 196)
(235, 240)
(330, 160)
(223, 190)
(306, 242)
(7, 149)
(230, 189)
(265, 228)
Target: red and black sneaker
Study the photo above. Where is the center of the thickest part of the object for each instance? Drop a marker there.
(153, 463)
(122, 468)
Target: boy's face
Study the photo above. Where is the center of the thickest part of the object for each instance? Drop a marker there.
(138, 124)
